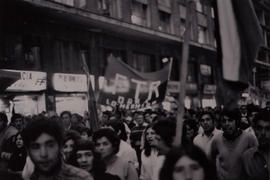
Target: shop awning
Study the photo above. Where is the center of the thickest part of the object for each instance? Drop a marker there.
(7, 78)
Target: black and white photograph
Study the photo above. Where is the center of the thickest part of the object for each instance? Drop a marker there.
(134, 89)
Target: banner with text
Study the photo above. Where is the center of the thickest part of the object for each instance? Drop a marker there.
(131, 89)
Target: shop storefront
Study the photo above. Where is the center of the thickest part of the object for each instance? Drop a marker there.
(27, 94)
(70, 93)
(209, 100)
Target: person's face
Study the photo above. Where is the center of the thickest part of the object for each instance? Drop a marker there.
(139, 119)
(45, 153)
(228, 125)
(161, 145)
(189, 132)
(262, 131)
(128, 119)
(150, 136)
(243, 110)
(187, 169)
(66, 120)
(85, 159)
(104, 147)
(74, 119)
(19, 141)
(84, 135)
(207, 123)
(148, 117)
(68, 148)
(18, 123)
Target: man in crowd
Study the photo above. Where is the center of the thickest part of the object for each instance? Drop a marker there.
(43, 139)
(165, 134)
(125, 149)
(204, 140)
(136, 133)
(227, 147)
(256, 160)
(66, 119)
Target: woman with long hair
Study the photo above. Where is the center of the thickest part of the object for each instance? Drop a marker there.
(187, 162)
(149, 153)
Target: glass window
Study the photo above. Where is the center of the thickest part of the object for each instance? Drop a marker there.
(199, 6)
(143, 62)
(110, 8)
(165, 21)
(139, 13)
(201, 34)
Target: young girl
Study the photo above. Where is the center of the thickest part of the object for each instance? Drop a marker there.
(18, 156)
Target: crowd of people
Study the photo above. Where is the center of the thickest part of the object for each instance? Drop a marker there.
(216, 144)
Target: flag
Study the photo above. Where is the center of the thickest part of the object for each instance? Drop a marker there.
(92, 108)
(239, 37)
(131, 89)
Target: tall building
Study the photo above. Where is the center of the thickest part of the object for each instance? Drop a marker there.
(44, 40)
(260, 90)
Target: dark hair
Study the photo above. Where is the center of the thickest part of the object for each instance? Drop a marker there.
(166, 130)
(14, 117)
(81, 129)
(117, 125)
(192, 124)
(110, 135)
(193, 152)
(42, 125)
(232, 114)
(65, 112)
(263, 115)
(3, 117)
(99, 166)
(207, 113)
(71, 134)
(147, 147)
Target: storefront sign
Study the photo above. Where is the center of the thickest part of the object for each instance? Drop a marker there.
(69, 82)
(209, 89)
(29, 81)
(131, 89)
(206, 70)
(174, 87)
(265, 85)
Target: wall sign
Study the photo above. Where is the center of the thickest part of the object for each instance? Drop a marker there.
(29, 81)
(69, 82)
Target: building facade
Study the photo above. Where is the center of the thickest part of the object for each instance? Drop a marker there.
(260, 83)
(45, 40)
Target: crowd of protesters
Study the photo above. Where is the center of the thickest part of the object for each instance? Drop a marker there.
(217, 144)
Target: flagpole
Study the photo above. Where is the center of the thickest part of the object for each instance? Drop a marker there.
(92, 109)
(190, 5)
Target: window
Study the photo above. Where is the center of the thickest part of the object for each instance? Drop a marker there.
(143, 62)
(192, 72)
(139, 14)
(65, 54)
(183, 11)
(182, 26)
(202, 34)
(199, 6)
(166, 3)
(110, 8)
(212, 13)
(165, 22)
